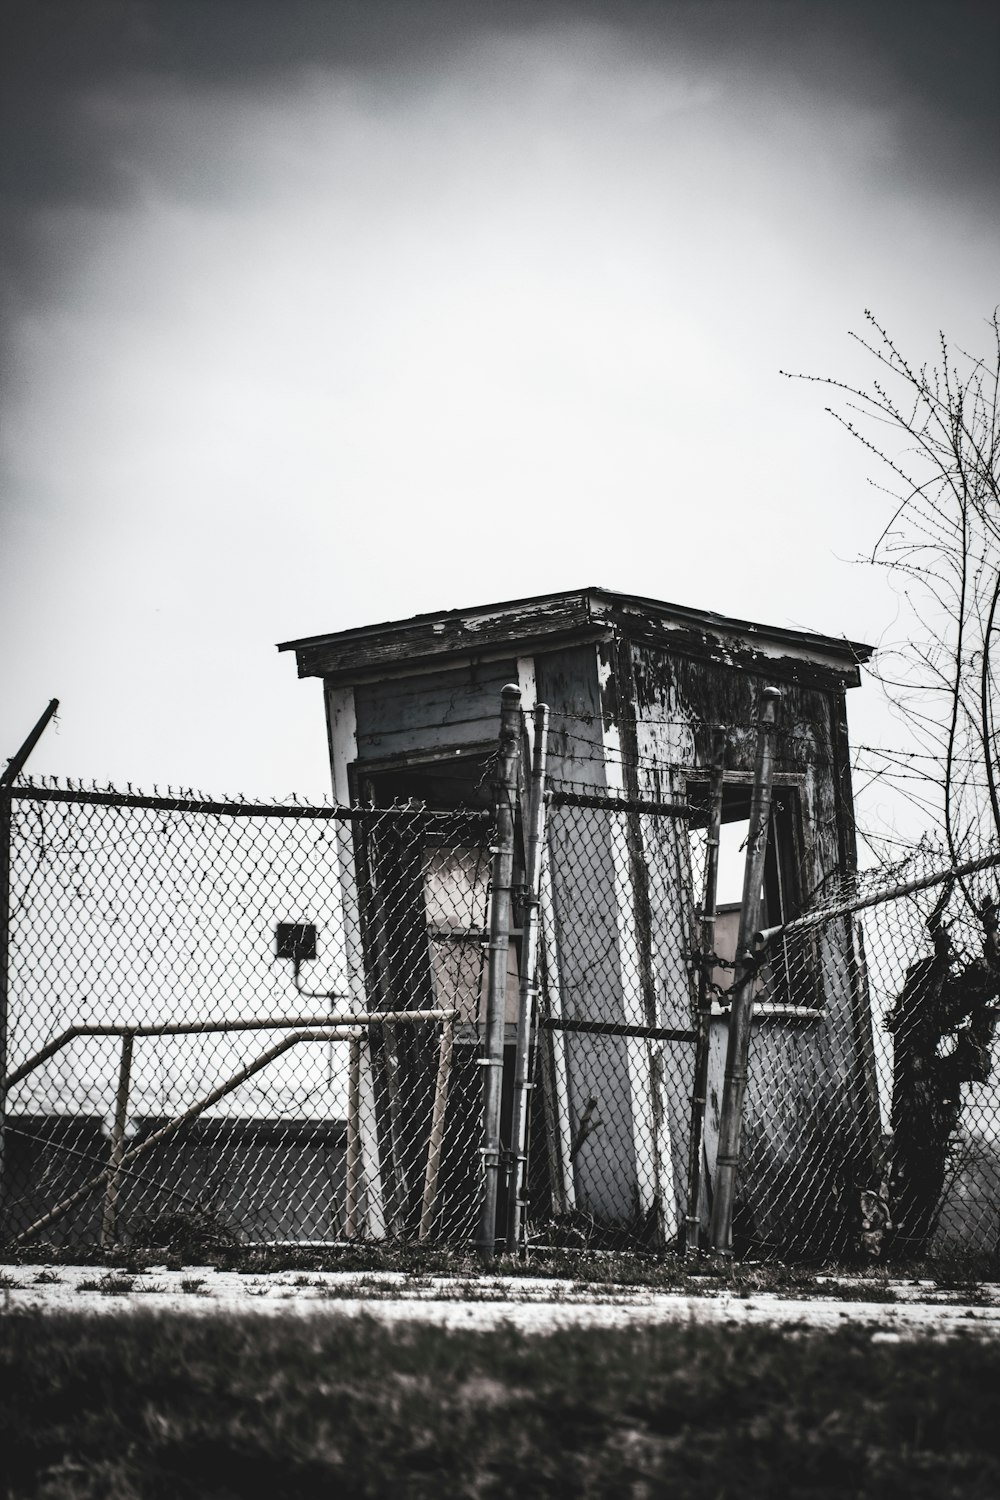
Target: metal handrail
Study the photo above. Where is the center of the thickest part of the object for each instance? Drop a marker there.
(197, 1028)
(337, 1028)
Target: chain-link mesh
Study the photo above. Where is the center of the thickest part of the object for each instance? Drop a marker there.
(254, 1023)
(870, 1113)
(267, 1024)
(894, 1113)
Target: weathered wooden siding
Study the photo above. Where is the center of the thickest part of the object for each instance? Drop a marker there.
(587, 910)
(431, 712)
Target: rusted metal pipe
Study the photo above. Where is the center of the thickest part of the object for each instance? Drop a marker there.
(741, 1012)
(528, 991)
(496, 998)
(692, 1224)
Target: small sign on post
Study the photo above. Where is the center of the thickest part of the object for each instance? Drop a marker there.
(295, 940)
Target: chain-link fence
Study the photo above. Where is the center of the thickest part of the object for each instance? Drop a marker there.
(268, 1024)
(895, 1148)
(254, 1023)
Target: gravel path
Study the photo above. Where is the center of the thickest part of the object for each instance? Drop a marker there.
(917, 1309)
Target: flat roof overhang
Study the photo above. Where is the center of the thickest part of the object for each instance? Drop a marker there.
(544, 622)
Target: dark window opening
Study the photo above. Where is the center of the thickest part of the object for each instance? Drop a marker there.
(443, 783)
(439, 883)
(787, 978)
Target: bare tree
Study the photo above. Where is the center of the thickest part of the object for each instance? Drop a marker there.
(935, 428)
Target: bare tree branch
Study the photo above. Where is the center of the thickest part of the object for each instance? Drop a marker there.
(942, 541)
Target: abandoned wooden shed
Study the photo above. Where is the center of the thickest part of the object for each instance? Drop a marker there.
(643, 694)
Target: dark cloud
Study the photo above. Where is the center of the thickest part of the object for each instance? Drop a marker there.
(934, 66)
(936, 59)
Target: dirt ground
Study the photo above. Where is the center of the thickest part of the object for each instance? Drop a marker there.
(911, 1309)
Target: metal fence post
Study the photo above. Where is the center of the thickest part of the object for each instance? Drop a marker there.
(703, 1022)
(741, 1012)
(529, 979)
(500, 905)
(109, 1221)
(8, 776)
(5, 815)
(352, 1166)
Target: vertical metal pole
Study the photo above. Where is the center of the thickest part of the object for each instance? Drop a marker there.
(352, 1183)
(741, 1012)
(529, 979)
(703, 1021)
(109, 1221)
(554, 1071)
(5, 815)
(496, 998)
(8, 776)
(429, 1205)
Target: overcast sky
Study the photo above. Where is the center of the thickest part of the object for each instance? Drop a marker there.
(318, 314)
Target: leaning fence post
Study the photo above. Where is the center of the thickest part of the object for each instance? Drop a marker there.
(741, 1011)
(109, 1221)
(529, 979)
(435, 1145)
(496, 997)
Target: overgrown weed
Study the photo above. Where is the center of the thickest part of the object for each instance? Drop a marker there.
(111, 1284)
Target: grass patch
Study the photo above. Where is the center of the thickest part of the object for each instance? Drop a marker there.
(163, 1408)
(109, 1285)
(702, 1275)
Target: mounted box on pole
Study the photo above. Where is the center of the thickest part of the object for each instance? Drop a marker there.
(741, 1014)
(508, 761)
